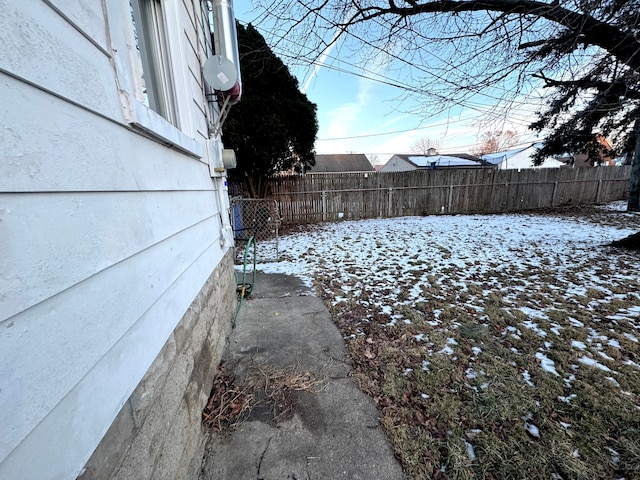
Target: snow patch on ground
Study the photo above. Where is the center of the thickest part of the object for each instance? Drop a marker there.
(547, 364)
(461, 263)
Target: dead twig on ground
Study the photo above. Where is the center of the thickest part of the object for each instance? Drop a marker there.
(229, 405)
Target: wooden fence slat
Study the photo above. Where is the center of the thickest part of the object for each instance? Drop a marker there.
(323, 197)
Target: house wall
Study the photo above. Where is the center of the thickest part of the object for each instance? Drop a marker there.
(157, 432)
(116, 281)
(397, 164)
(519, 160)
(524, 160)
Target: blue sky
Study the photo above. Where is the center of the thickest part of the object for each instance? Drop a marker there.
(362, 115)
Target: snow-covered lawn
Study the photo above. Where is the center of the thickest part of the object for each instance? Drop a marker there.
(496, 346)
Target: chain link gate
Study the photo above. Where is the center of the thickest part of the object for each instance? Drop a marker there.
(258, 218)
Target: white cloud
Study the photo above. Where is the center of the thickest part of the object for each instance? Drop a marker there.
(346, 119)
(320, 62)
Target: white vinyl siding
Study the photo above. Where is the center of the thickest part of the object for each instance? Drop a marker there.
(109, 225)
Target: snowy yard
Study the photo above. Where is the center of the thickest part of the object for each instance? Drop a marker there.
(496, 346)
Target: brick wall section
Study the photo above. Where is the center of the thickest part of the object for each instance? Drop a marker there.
(157, 433)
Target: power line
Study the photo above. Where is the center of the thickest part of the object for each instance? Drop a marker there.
(388, 80)
(385, 80)
(441, 124)
(470, 105)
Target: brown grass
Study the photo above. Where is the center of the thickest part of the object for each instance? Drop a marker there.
(489, 409)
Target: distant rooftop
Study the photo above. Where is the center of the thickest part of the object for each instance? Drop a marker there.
(441, 161)
(460, 160)
(341, 163)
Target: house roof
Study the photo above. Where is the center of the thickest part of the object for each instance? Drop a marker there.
(520, 157)
(454, 160)
(497, 157)
(348, 162)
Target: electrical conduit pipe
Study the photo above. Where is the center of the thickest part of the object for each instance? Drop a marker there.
(225, 43)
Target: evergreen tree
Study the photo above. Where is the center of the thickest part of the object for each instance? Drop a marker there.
(273, 128)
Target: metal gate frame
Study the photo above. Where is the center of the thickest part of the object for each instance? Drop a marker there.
(257, 218)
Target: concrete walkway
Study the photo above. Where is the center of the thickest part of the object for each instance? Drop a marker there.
(334, 433)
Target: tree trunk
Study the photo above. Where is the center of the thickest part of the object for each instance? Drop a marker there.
(633, 203)
(256, 186)
(252, 185)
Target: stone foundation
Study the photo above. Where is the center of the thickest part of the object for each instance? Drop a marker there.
(157, 433)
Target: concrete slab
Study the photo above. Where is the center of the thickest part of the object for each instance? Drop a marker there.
(334, 433)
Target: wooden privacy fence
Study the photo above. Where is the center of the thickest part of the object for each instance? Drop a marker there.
(329, 197)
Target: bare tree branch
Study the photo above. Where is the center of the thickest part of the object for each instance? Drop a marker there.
(620, 44)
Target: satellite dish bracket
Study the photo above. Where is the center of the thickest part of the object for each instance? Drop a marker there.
(224, 111)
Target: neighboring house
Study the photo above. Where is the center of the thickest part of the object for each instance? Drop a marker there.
(582, 159)
(406, 163)
(341, 163)
(520, 157)
(116, 254)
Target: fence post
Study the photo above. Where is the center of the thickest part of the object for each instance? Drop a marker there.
(553, 195)
(450, 198)
(389, 202)
(598, 190)
(324, 206)
(507, 198)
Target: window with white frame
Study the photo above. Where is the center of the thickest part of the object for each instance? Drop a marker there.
(151, 43)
